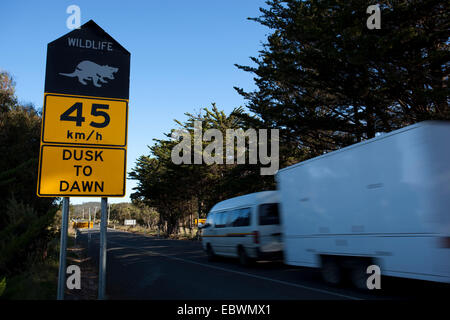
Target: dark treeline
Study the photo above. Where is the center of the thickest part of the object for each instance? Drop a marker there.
(26, 221)
(325, 81)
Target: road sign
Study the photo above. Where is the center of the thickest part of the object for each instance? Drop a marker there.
(79, 120)
(83, 225)
(199, 221)
(85, 107)
(131, 222)
(88, 62)
(84, 127)
(81, 171)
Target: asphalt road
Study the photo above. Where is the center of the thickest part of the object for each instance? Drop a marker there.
(142, 267)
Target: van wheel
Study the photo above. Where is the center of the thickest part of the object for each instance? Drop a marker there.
(210, 253)
(244, 259)
(331, 271)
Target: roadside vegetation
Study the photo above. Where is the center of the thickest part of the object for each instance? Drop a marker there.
(28, 235)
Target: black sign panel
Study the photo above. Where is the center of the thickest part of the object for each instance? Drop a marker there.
(88, 61)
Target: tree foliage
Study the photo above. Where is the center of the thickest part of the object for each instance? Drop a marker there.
(25, 219)
(329, 81)
(190, 190)
(137, 210)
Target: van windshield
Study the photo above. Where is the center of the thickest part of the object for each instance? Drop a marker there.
(209, 219)
(268, 214)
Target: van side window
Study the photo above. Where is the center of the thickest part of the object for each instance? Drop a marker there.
(268, 214)
(220, 219)
(232, 216)
(242, 217)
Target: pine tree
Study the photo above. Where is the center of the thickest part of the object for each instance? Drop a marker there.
(327, 81)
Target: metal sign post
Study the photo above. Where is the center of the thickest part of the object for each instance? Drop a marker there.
(102, 262)
(62, 250)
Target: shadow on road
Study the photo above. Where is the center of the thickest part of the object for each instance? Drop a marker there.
(173, 265)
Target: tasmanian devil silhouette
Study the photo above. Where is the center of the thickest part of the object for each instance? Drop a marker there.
(88, 70)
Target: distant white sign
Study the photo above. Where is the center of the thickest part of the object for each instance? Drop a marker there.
(130, 222)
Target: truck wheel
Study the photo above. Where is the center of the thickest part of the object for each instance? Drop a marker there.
(331, 271)
(210, 253)
(243, 257)
(359, 276)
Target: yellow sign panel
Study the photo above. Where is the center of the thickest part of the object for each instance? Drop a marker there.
(67, 171)
(83, 225)
(197, 221)
(78, 120)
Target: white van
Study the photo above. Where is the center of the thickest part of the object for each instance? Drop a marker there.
(247, 227)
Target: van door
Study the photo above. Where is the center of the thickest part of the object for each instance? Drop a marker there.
(246, 223)
(229, 241)
(238, 225)
(269, 228)
(220, 236)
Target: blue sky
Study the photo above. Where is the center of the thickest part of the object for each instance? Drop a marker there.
(182, 56)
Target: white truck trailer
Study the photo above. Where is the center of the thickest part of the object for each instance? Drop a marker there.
(384, 201)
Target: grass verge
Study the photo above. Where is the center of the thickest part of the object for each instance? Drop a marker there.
(150, 232)
(40, 280)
